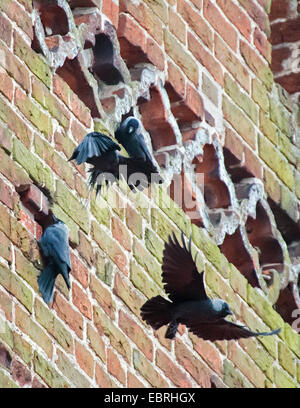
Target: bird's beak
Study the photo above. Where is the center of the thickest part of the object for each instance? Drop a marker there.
(130, 129)
(230, 312)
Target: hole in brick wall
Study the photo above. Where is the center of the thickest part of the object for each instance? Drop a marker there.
(234, 250)
(234, 168)
(172, 94)
(103, 65)
(260, 236)
(131, 54)
(216, 193)
(288, 302)
(72, 74)
(53, 17)
(289, 229)
(155, 120)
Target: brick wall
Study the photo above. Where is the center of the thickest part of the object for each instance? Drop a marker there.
(197, 73)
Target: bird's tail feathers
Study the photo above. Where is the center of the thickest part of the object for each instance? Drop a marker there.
(157, 312)
(46, 282)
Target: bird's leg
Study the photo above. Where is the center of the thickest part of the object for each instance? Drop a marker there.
(172, 329)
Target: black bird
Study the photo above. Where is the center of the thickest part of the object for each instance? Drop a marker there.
(131, 138)
(54, 245)
(109, 165)
(190, 304)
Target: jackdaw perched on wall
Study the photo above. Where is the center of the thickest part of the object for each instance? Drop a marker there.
(109, 165)
(131, 138)
(189, 303)
(54, 245)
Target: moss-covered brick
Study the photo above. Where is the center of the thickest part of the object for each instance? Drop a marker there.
(146, 370)
(287, 148)
(100, 127)
(5, 248)
(292, 339)
(238, 282)
(264, 309)
(35, 62)
(268, 128)
(286, 359)
(161, 224)
(34, 167)
(211, 251)
(244, 363)
(260, 94)
(104, 268)
(46, 318)
(298, 372)
(259, 355)
(6, 381)
(41, 93)
(240, 98)
(277, 162)
(154, 244)
(11, 170)
(15, 123)
(232, 378)
(288, 203)
(134, 221)
(142, 282)
(15, 285)
(25, 323)
(96, 342)
(5, 139)
(280, 116)
(142, 204)
(282, 380)
(6, 334)
(22, 347)
(173, 211)
(57, 163)
(26, 270)
(272, 185)
(108, 328)
(147, 261)
(72, 206)
(48, 373)
(100, 210)
(102, 296)
(239, 121)
(33, 112)
(110, 247)
(73, 227)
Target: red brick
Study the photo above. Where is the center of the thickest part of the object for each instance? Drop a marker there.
(5, 300)
(6, 195)
(68, 315)
(262, 44)
(172, 371)
(136, 334)
(192, 365)
(86, 251)
(278, 56)
(221, 25)
(132, 31)
(155, 54)
(5, 30)
(232, 63)
(15, 68)
(27, 220)
(84, 359)
(114, 366)
(237, 16)
(79, 271)
(15, 12)
(103, 296)
(253, 163)
(103, 379)
(234, 144)
(80, 110)
(111, 10)
(96, 342)
(61, 89)
(133, 381)
(20, 373)
(36, 383)
(279, 9)
(194, 101)
(257, 14)
(6, 84)
(196, 22)
(209, 353)
(177, 26)
(134, 221)
(81, 300)
(120, 233)
(145, 17)
(176, 79)
(33, 199)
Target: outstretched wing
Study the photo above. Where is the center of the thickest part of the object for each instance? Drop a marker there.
(182, 280)
(55, 243)
(224, 330)
(93, 145)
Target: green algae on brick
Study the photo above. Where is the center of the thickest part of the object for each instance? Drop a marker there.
(48, 373)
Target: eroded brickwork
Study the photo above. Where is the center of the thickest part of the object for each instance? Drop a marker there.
(197, 74)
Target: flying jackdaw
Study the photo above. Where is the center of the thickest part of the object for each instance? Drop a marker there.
(109, 165)
(54, 245)
(189, 303)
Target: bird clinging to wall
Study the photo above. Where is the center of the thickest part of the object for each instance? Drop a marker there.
(54, 245)
(131, 138)
(189, 303)
(109, 165)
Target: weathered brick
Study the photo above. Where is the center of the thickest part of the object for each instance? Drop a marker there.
(282, 380)
(96, 342)
(179, 55)
(114, 366)
(6, 84)
(210, 89)
(84, 359)
(103, 379)
(292, 339)
(146, 370)
(103, 296)
(81, 301)
(26, 270)
(73, 227)
(208, 352)
(107, 327)
(268, 128)
(286, 359)
(177, 26)
(232, 378)
(171, 370)
(70, 316)
(6, 305)
(16, 13)
(142, 282)
(134, 221)
(66, 366)
(237, 16)
(5, 29)
(6, 381)
(121, 233)
(22, 347)
(147, 261)
(260, 94)
(259, 15)
(133, 381)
